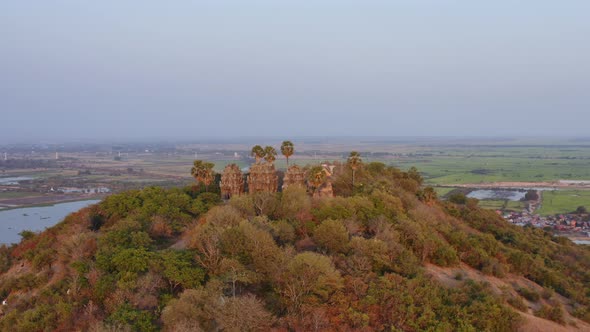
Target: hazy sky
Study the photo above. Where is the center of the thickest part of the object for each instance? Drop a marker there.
(182, 69)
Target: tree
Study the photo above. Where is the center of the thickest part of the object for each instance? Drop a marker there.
(458, 198)
(287, 149)
(317, 176)
(208, 175)
(244, 313)
(332, 236)
(197, 169)
(308, 278)
(194, 310)
(427, 195)
(179, 269)
(531, 195)
(203, 172)
(270, 154)
(354, 162)
(415, 175)
(233, 272)
(257, 152)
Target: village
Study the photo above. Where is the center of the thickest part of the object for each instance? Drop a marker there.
(575, 226)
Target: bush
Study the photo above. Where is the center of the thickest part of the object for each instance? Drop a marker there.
(517, 302)
(458, 198)
(445, 255)
(554, 313)
(96, 221)
(5, 258)
(547, 293)
(529, 294)
(27, 235)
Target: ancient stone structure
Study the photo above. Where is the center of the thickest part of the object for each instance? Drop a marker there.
(232, 181)
(294, 176)
(325, 190)
(263, 178)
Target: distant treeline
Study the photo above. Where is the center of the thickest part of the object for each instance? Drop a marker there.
(27, 163)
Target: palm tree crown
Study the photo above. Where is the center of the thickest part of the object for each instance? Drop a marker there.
(354, 161)
(270, 154)
(203, 172)
(287, 149)
(316, 176)
(257, 152)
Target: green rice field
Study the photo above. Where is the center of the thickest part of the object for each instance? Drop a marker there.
(564, 201)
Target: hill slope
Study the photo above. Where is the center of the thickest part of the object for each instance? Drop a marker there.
(381, 255)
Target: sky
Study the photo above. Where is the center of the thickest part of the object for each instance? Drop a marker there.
(72, 70)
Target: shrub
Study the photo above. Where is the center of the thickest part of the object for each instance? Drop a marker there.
(517, 302)
(458, 198)
(554, 313)
(5, 258)
(529, 294)
(27, 235)
(445, 255)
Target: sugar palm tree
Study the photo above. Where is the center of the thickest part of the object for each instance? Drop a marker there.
(287, 149)
(197, 170)
(270, 154)
(354, 161)
(316, 177)
(208, 174)
(257, 152)
(203, 172)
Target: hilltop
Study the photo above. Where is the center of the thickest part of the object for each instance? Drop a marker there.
(382, 254)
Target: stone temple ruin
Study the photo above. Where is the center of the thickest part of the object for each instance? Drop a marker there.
(263, 178)
(232, 181)
(294, 176)
(325, 189)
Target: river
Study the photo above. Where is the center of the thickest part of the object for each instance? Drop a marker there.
(35, 219)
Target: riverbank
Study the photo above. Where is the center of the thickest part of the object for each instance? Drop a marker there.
(36, 219)
(46, 200)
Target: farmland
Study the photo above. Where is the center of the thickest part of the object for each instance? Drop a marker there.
(444, 163)
(564, 201)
